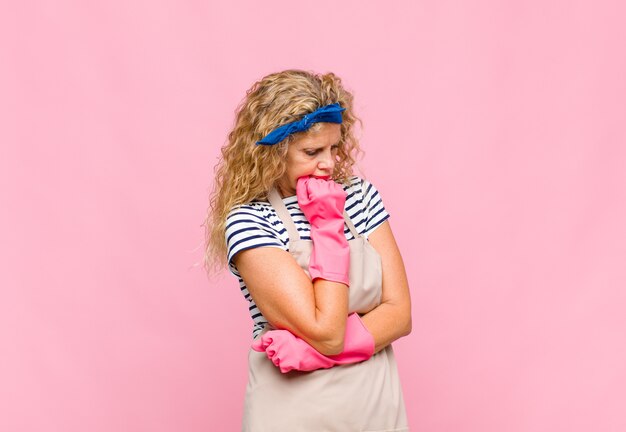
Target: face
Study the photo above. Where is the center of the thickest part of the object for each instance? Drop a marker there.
(312, 153)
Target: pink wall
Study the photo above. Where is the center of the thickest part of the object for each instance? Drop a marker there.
(494, 131)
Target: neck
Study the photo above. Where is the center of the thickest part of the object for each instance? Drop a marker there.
(283, 192)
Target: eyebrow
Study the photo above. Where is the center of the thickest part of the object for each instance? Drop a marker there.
(312, 146)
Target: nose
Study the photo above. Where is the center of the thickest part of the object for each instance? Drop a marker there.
(326, 164)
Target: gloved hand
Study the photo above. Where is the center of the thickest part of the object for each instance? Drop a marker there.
(322, 202)
(289, 352)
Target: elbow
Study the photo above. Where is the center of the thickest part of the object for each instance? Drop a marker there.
(331, 343)
(408, 326)
(330, 350)
(407, 322)
(331, 346)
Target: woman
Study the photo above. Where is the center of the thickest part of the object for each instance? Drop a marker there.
(315, 257)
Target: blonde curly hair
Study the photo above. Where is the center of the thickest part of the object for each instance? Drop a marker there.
(246, 171)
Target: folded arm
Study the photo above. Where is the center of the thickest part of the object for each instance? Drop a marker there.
(316, 312)
(391, 319)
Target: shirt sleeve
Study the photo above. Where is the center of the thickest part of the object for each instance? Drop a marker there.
(246, 228)
(375, 210)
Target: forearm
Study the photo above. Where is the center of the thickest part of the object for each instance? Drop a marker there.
(387, 322)
(331, 309)
(327, 323)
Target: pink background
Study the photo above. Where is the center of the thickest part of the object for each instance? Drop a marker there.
(494, 131)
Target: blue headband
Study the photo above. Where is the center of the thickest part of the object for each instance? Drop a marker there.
(328, 114)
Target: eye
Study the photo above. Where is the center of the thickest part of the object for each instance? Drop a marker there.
(314, 152)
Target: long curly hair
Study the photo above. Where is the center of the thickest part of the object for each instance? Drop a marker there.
(246, 171)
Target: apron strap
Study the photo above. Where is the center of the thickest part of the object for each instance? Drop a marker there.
(351, 226)
(281, 210)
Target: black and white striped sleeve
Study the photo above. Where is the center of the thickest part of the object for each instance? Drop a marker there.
(246, 228)
(374, 207)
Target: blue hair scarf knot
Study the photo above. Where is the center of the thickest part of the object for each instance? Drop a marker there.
(327, 114)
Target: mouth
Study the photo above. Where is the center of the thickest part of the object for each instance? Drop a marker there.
(323, 177)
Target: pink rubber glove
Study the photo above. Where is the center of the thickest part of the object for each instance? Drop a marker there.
(289, 352)
(322, 202)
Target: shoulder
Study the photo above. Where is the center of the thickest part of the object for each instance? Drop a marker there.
(353, 189)
(363, 194)
(254, 211)
(250, 226)
(354, 183)
(364, 189)
(255, 216)
(368, 190)
(361, 184)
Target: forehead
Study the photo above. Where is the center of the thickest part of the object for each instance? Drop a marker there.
(321, 134)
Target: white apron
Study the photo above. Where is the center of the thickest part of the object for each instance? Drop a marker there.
(365, 396)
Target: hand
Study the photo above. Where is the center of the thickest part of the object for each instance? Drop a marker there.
(289, 352)
(321, 200)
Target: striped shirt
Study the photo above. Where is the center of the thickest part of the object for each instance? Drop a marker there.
(256, 224)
